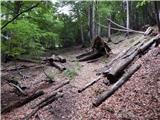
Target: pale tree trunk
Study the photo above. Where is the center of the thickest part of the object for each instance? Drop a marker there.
(81, 27)
(109, 29)
(127, 21)
(99, 27)
(93, 19)
(89, 23)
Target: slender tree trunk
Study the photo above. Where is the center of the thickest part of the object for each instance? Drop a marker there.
(157, 14)
(93, 20)
(109, 30)
(127, 21)
(81, 27)
(99, 27)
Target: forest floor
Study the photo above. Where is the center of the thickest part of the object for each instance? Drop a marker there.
(138, 99)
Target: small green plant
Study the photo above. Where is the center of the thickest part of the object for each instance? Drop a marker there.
(72, 72)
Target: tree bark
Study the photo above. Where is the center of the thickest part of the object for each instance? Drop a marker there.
(127, 20)
(43, 104)
(109, 30)
(22, 102)
(117, 85)
(157, 14)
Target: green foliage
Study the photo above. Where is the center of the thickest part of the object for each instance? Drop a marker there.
(24, 39)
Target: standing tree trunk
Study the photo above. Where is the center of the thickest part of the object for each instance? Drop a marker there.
(92, 20)
(127, 20)
(109, 29)
(157, 14)
(99, 27)
(81, 27)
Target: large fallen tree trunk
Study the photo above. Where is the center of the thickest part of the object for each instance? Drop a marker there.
(22, 102)
(45, 102)
(117, 85)
(116, 69)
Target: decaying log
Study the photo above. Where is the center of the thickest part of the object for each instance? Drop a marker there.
(117, 69)
(55, 58)
(91, 57)
(99, 48)
(22, 102)
(28, 60)
(84, 54)
(46, 102)
(58, 65)
(101, 98)
(45, 99)
(89, 84)
(155, 39)
(148, 31)
(94, 60)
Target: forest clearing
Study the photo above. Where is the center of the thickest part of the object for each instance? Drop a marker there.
(79, 65)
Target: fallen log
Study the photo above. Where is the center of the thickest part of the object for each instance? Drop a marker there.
(28, 60)
(148, 31)
(62, 84)
(89, 84)
(55, 58)
(48, 101)
(99, 48)
(91, 57)
(101, 98)
(45, 99)
(94, 60)
(155, 39)
(84, 54)
(22, 102)
(57, 65)
(116, 69)
(61, 59)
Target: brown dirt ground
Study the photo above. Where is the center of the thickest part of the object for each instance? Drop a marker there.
(137, 99)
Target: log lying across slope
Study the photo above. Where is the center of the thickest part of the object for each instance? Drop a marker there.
(22, 102)
(114, 71)
(48, 100)
(117, 85)
(99, 48)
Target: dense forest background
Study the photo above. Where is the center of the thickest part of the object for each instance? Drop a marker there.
(29, 28)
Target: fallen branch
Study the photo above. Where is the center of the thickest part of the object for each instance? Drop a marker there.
(62, 84)
(22, 102)
(18, 88)
(123, 30)
(101, 98)
(89, 84)
(19, 15)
